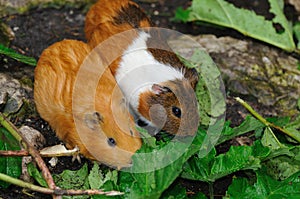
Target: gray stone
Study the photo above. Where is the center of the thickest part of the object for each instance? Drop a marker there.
(11, 94)
(252, 69)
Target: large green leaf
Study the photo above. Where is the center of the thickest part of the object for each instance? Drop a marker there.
(9, 165)
(212, 167)
(265, 187)
(225, 14)
(155, 169)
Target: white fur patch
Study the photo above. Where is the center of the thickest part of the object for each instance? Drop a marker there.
(139, 70)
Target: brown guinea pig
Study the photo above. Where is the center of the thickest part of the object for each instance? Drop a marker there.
(81, 101)
(155, 83)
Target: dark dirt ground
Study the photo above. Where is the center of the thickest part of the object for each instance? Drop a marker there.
(41, 27)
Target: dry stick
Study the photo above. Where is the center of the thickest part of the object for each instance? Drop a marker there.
(14, 153)
(44, 190)
(26, 153)
(32, 151)
(265, 122)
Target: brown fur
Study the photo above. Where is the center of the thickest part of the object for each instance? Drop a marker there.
(180, 95)
(109, 18)
(69, 106)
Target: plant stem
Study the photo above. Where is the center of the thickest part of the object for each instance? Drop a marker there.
(21, 183)
(6, 124)
(32, 151)
(265, 122)
(211, 190)
(44, 190)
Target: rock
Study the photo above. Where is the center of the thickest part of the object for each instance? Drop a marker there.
(34, 137)
(296, 4)
(252, 69)
(12, 94)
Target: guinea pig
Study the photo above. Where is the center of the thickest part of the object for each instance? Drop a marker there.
(82, 102)
(157, 85)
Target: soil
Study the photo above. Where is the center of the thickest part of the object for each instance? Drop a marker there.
(41, 27)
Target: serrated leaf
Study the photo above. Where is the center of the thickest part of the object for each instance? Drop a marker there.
(72, 179)
(21, 58)
(96, 179)
(158, 168)
(225, 14)
(212, 167)
(282, 167)
(265, 187)
(11, 166)
(248, 125)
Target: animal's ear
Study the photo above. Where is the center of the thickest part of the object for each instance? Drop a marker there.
(93, 120)
(158, 89)
(193, 77)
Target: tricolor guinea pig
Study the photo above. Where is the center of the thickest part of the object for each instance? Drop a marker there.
(82, 102)
(157, 85)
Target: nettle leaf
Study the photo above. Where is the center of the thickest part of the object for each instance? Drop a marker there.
(21, 58)
(225, 14)
(210, 91)
(155, 169)
(282, 167)
(73, 179)
(265, 187)
(212, 167)
(11, 166)
(294, 127)
(107, 182)
(248, 125)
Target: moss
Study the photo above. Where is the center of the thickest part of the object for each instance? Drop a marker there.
(26, 81)
(22, 6)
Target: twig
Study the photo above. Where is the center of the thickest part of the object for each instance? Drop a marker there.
(14, 153)
(31, 150)
(59, 192)
(265, 122)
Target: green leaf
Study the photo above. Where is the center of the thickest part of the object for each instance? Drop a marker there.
(210, 88)
(72, 179)
(294, 126)
(212, 167)
(250, 124)
(282, 167)
(296, 30)
(34, 172)
(21, 58)
(154, 169)
(98, 181)
(11, 166)
(175, 192)
(265, 187)
(222, 13)
(181, 15)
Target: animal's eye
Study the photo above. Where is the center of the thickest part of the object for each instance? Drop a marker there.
(111, 142)
(176, 111)
(141, 123)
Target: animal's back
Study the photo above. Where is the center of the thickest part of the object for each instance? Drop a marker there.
(107, 18)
